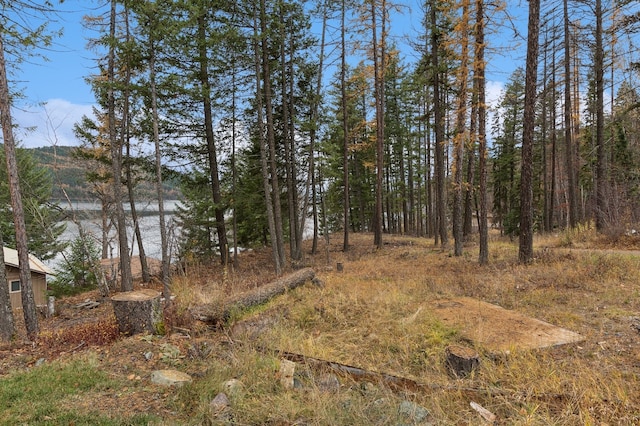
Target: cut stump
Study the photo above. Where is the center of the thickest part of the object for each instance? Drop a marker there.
(138, 311)
(461, 360)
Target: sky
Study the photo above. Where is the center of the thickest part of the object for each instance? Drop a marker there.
(57, 94)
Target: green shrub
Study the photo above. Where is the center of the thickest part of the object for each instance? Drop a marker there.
(78, 273)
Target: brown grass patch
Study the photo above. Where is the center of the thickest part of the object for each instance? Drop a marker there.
(375, 315)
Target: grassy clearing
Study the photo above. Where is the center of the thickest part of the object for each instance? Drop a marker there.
(375, 315)
(42, 395)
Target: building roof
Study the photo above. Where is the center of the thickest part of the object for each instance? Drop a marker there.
(11, 258)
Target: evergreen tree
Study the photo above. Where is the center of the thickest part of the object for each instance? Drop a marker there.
(80, 269)
(43, 220)
(506, 156)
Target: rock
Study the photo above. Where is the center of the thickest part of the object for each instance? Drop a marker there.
(328, 383)
(220, 408)
(148, 356)
(414, 413)
(170, 378)
(40, 361)
(287, 370)
(233, 387)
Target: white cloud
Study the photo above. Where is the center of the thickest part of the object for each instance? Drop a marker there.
(494, 91)
(49, 124)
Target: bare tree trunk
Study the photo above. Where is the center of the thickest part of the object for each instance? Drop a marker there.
(460, 133)
(271, 143)
(313, 132)
(126, 142)
(263, 147)
(552, 188)
(479, 75)
(211, 145)
(525, 253)
(439, 143)
(28, 301)
(568, 132)
(164, 244)
(378, 67)
(126, 280)
(345, 126)
(600, 180)
(7, 323)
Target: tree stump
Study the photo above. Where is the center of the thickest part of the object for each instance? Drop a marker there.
(138, 312)
(461, 360)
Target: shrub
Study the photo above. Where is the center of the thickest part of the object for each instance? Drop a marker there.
(78, 272)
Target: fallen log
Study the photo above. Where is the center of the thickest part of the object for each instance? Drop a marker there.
(218, 313)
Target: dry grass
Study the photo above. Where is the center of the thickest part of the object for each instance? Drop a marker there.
(374, 315)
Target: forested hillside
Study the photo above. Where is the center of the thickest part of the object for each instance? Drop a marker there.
(288, 119)
(68, 172)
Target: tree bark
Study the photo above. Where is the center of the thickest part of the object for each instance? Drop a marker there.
(525, 252)
(460, 133)
(264, 166)
(164, 243)
(378, 82)
(271, 142)
(479, 75)
(439, 143)
(126, 280)
(217, 314)
(138, 312)
(211, 145)
(28, 301)
(126, 142)
(7, 323)
(568, 124)
(600, 180)
(345, 127)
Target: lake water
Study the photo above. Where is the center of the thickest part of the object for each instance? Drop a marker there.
(149, 222)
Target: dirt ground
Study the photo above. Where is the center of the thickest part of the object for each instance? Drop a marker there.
(76, 330)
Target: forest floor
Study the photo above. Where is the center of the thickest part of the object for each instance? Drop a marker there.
(392, 311)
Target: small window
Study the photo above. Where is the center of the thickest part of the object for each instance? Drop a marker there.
(15, 286)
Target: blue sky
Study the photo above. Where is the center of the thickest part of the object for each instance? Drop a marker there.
(57, 95)
(55, 90)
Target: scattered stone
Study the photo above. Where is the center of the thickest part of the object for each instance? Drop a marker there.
(415, 413)
(170, 378)
(233, 387)
(287, 370)
(220, 408)
(368, 388)
(40, 361)
(328, 383)
(148, 355)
